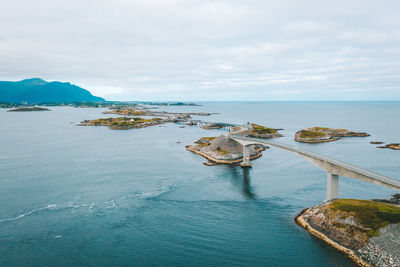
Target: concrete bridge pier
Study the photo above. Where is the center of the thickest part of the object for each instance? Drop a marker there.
(246, 156)
(332, 186)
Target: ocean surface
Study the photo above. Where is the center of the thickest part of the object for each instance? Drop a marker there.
(90, 196)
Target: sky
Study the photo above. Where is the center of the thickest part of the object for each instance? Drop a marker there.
(206, 50)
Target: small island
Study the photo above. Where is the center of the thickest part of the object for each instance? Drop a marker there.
(395, 146)
(123, 123)
(23, 109)
(368, 231)
(223, 150)
(323, 134)
(258, 131)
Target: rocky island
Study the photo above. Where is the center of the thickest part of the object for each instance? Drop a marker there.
(124, 123)
(22, 109)
(224, 150)
(395, 146)
(368, 231)
(130, 122)
(323, 134)
(255, 130)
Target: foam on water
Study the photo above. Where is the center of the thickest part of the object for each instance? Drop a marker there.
(22, 215)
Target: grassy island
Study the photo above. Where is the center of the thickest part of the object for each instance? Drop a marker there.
(262, 129)
(256, 130)
(324, 134)
(122, 123)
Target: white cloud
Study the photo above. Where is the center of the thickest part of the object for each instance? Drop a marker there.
(199, 50)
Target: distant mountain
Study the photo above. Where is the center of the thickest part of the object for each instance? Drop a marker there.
(39, 91)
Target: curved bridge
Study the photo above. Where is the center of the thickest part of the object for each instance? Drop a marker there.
(333, 167)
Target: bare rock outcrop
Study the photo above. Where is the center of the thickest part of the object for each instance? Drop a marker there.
(223, 150)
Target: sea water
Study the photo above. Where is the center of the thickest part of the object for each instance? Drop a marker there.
(89, 196)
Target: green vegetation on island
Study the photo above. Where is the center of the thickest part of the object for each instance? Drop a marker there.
(123, 123)
(256, 130)
(324, 134)
(370, 214)
(262, 129)
(311, 134)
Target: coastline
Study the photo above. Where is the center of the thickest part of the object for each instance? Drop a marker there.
(350, 253)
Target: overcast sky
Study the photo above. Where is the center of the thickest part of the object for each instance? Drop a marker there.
(206, 50)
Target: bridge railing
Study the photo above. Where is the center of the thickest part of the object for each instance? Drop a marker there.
(333, 161)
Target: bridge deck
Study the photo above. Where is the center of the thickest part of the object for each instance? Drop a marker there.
(348, 166)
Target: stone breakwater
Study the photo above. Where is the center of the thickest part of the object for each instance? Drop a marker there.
(343, 230)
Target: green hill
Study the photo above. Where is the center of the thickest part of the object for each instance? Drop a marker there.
(39, 91)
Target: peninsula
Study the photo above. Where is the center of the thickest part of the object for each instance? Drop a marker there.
(323, 134)
(368, 231)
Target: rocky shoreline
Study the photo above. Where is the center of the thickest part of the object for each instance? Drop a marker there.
(347, 226)
(303, 223)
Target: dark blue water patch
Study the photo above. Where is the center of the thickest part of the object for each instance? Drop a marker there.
(206, 233)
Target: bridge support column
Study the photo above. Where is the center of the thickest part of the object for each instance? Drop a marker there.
(332, 186)
(246, 156)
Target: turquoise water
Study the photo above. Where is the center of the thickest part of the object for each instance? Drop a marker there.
(84, 196)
